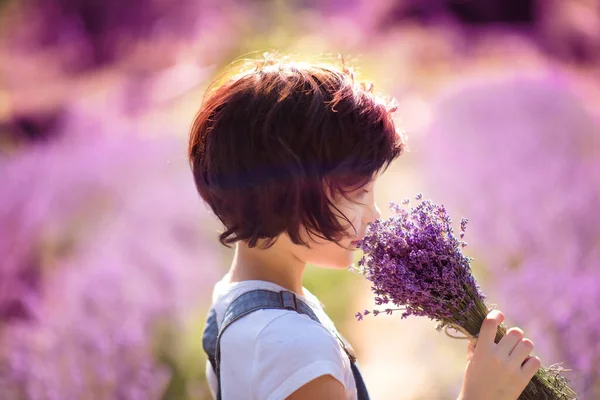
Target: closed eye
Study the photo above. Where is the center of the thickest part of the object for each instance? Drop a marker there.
(362, 194)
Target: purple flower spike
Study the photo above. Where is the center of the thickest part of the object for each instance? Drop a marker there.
(414, 260)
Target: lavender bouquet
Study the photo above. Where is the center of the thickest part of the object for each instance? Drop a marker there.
(416, 263)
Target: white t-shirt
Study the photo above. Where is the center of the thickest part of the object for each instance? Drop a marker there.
(269, 354)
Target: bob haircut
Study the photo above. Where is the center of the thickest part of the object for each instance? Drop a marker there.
(272, 147)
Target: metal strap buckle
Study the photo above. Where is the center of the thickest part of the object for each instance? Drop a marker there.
(288, 300)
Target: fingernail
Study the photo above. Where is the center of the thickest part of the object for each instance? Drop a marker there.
(496, 314)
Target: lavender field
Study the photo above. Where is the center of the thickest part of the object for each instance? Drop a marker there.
(108, 256)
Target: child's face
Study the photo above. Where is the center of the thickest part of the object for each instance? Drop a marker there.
(361, 210)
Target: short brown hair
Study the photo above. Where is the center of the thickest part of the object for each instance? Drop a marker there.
(269, 144)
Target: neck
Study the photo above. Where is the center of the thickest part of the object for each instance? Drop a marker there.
(276, 264)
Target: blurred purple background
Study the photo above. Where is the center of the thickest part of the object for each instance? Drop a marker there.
(108, 256)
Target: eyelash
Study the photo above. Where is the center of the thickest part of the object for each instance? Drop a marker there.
(362, 194)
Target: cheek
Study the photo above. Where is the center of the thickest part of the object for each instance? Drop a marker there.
(354, 215)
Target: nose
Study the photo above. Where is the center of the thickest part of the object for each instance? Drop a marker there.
(375, 214)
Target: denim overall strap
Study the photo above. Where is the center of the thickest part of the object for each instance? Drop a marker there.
(209, 338)
(361, 388)
(260, 300)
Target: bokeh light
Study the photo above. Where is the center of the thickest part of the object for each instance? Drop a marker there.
(108, 256)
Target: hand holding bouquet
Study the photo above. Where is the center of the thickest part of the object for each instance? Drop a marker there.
(415, 262)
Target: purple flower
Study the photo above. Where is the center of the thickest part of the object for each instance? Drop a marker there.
(521, 157)
(92, 34)
(414, 260)
(111, 228)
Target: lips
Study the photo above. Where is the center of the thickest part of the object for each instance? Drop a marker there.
(356, 242)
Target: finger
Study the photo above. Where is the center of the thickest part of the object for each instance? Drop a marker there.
(471, 348)
(521, 352)
(472, 344)
(487, 334)
(509, 341)
(530, 367)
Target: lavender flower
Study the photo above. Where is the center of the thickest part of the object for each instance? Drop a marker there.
(415, 261)
(521, 156)
(92, 34)
(111, 228)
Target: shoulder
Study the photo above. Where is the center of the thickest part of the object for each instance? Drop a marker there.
(282, 351)
(291, 331)
(270, 332)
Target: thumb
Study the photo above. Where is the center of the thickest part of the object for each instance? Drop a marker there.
(471, 348)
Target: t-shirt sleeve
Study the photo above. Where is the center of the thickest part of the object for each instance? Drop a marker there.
(211, 379)
(291, 351)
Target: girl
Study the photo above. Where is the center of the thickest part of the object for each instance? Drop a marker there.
(287, 156)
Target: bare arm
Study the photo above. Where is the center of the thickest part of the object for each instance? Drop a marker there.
(325, 387)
